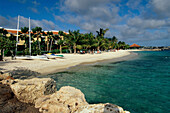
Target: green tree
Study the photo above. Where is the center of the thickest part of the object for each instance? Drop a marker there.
(100, 37)
(90, 41)
(49, 40)
(6, 43)
(24, 36)
(37, 31)
(60, 40)
(113, 42)
(75, 35)
(68, 41)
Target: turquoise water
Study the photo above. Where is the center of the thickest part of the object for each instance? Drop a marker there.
(141, 85)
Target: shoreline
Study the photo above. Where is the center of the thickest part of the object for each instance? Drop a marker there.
(91, 62)
(131, 56)
(53, 66)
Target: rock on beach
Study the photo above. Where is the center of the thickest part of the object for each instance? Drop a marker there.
(40, 95)
(29, 90)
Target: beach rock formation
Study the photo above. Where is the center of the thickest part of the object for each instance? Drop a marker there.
(101, 108)
(10, 104)
(41, 93)
(29, 90)
(5, 76)
(66, 100)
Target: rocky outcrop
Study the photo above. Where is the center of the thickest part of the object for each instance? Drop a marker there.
(42, 93)
(29, 90)
(66, 100)
(5, 76)
(10, 104)
(71, 100)
(101, 108)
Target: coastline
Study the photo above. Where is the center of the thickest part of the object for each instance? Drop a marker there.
(70, 60)
(132, 55)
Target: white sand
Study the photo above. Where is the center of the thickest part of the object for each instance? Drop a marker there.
(46, 67)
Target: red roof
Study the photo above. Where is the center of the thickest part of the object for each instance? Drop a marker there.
(134, 45)
(14, 31)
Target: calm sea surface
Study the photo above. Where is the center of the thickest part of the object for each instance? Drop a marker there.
(141, 85)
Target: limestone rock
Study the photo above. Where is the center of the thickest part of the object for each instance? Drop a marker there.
(5, 76)
(29, 90)
(10, 104)
(67, 99)
(8, 82)
(101, 108)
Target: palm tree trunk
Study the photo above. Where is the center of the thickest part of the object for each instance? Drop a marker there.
(98, 48)
(74, 48)
(60, 49)
(2, 54)
(48, 44)
(51, 44)
(70, 50)
(38, 43)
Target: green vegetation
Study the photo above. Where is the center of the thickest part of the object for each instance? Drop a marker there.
(6, 43)
(73, 41)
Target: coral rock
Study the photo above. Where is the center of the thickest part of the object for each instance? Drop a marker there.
(5, 76)
(101, 108)
(67, 99)
(10, 104)
(29, 90)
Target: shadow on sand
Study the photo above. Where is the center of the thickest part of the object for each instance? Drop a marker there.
(23, 73)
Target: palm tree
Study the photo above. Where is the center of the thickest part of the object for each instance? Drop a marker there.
(24, 36)
(113, 42)
(60, 39)
(90, 41)
(49, 37)
(121, 44)
(114, 39)
(68, 41)
(37, 31)
(100, 37)
(6, 42)
(75, 35)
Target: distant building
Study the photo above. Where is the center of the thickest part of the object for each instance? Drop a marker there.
(135, 46)
(21, 42)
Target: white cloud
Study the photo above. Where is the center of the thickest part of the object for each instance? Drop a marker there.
(146, 23)
(134, 4)
(35, 3)
(33, 9)
(11, 22)
(161, 7)
(90, 15)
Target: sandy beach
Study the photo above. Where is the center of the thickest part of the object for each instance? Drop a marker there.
(51, 66)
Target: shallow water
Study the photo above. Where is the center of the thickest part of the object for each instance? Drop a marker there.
(141, 85)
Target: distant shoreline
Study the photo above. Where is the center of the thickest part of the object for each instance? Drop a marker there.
(131, 56)
(52, 66)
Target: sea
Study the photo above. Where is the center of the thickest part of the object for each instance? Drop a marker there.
(140, 84)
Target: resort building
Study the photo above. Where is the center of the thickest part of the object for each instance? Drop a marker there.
(21, 42)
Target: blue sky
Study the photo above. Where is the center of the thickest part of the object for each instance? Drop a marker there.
(145, 22)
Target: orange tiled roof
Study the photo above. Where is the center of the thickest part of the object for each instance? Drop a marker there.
(134, 45)
(14, 31)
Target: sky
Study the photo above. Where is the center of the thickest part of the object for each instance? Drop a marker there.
(144, 22)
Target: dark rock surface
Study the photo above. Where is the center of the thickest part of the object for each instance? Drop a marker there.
(10, 104)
